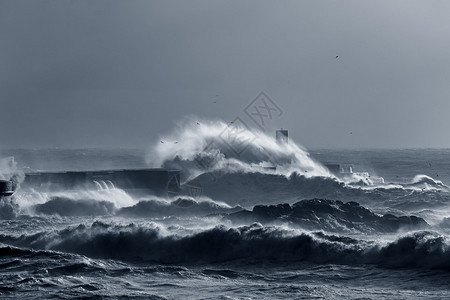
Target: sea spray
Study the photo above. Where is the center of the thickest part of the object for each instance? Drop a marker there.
(9, 170)
(197, 146)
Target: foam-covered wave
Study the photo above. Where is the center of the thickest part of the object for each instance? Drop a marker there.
(198, 146)
(254, 243)
(426, 182)
(73, 203)
(109, 204)
(315, 214)
(251, 188)
(224, 193)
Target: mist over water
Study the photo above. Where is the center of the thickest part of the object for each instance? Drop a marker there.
(267, 221)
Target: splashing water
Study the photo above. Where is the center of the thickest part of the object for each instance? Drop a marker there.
(10, 171)
(201, 146)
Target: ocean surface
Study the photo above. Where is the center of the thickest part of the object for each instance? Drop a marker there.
(238, 230)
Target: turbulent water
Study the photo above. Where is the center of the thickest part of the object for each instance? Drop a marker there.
(237, 230)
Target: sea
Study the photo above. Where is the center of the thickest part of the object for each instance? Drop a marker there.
(268, 222)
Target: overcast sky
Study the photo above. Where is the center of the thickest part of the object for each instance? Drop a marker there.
(120, 73)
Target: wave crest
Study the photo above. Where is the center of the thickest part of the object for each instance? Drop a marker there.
(253, 243)
(198, 146)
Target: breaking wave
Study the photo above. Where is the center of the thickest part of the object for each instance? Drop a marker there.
(426, 182)
(252, 188)
(72, 203)
(246, 244)
(247, 169)
(199, 146)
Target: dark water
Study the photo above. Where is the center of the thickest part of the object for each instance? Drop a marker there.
(83, 243)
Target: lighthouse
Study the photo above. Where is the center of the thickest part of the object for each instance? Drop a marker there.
(282, 136)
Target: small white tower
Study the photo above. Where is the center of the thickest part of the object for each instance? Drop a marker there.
(282, 136)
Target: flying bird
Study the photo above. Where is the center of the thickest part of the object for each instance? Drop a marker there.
(162, 142)
(198, 123)
(176, 143)
(337, 56)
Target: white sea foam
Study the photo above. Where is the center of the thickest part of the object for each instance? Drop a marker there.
(197, 145)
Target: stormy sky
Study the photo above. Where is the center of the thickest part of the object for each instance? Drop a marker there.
(97, 73)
